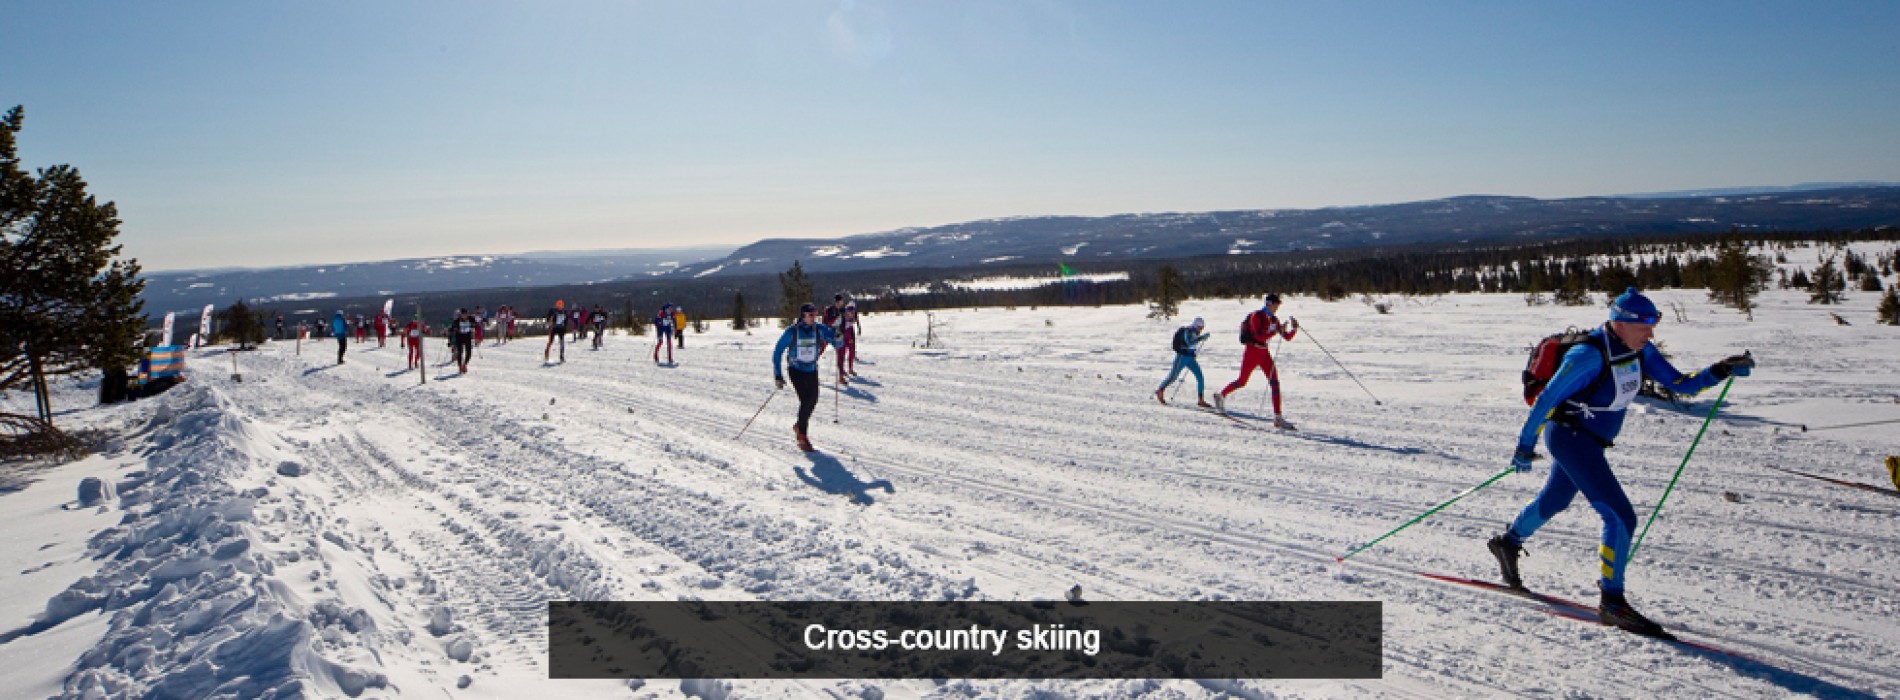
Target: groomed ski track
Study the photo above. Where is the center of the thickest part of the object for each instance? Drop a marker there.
(1029, 455)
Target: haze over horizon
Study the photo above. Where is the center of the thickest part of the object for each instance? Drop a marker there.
(233, 134)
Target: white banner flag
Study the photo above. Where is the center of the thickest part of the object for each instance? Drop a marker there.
(204, 326)
(389, 308)
(166, 339)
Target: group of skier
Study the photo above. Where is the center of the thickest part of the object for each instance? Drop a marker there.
(1578, 410)
(1260, 327)
(1582, 404)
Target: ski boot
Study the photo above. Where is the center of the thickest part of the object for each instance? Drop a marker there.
(1507, 550)
(1615, 610)
(1202, 400)
(1220, 403)
(1161, 396)
(804, 443)
(1283, 423)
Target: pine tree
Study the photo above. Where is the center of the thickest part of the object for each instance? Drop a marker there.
(739, 320)
(1572, 293)
(1736, 277)
(795, 290)
(68, 302)
(1828, 284)
(1164, 301)
(242, 325)
(1889, 309)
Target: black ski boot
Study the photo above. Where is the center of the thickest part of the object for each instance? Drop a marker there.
(1507, 549)
(1615, 610)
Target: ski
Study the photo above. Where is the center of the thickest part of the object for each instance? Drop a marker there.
(1839, 482)
(1255, 422)
(1556, 606)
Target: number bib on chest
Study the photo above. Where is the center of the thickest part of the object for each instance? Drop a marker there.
(1628, 376)
(806, 349)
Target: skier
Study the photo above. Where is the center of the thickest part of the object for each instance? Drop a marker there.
(340, 325)
(557, 330)
(1187, 342)
(1585, 401)
(663, 325)
(382, 329)
(679, 325)
(505, 324)
(835, 311)
(462, 338)
(412, 338)
(362, 328)
(280, 327)
(577, 321)
(599, 322)
(481, 320)
(848, 329)
(804, 341)
(1260, 327)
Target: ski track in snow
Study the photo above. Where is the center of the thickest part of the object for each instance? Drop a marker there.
(431, 524)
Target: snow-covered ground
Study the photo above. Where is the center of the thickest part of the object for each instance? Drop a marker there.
(343, 530)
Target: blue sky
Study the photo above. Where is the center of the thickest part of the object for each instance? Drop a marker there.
(281, 133)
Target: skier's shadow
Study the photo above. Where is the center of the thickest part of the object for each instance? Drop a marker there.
(830, 476)
(859, 394)
(314, 370)
(398, 373)
(1332, 440)
(866, 382)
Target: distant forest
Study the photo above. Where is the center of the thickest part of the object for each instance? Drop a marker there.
(1563, 268)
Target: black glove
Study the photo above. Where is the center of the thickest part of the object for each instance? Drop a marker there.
(780, 380)
(1735, 365)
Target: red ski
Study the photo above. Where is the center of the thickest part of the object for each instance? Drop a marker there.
(1573, 610)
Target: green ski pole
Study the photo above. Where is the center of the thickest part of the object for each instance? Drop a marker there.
(1685, 463)
(1454, 499)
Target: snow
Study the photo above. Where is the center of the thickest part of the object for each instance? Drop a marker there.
(881, 252)
(299, 296)
(427, 525)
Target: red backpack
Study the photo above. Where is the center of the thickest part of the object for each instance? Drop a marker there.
(1547, 355)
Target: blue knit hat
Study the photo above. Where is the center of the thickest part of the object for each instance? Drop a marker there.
(1633, 307)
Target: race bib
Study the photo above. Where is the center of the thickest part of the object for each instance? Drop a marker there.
(806, 349)
(1628, 376)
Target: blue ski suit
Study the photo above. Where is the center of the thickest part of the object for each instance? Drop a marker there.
(804, 343)
(1186, 344)
(1579, 405)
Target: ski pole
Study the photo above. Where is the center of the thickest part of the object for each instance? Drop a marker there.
(1805, 428)
(1679, 467)
(836, 391)
(1271, 376)
(755, 414)
(1342, 367)
(1454, 499)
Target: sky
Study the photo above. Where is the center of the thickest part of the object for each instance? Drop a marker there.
(286, 133)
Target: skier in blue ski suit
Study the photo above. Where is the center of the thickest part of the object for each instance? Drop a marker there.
(1583, 405)
(1187, 342)
(804, 342)
(340, 326)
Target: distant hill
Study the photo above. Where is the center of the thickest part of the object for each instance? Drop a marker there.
(1048, 239)
(309, 285)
